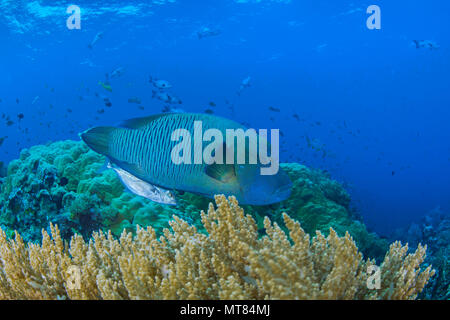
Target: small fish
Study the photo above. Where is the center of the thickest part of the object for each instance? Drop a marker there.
(2, 139)
(244, 84)
(166, 97)
(170, 109)
(107, 102)
(142, 188)
(274, 109)
(160, 84)
(20, 116)
(212, 104)
(209, 111)
(426, 44)
(105, 86)
(117, 72)
(207, 32)
(321, 47)
(97, 38)
(134, 100)
(17, 100)
(35, 99)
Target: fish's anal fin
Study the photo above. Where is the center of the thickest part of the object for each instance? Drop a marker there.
(139, 123)
(221, 172)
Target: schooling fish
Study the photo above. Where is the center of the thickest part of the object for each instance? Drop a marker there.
(144, 148)
(245, 84)
(166, 97)
(160, 84)
(117, 72)
(426, 44)
(207, 32)
(105, 86)
(97, 38)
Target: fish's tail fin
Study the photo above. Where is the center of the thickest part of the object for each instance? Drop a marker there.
(98, 139)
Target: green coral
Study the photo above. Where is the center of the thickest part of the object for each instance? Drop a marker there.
(63, 183)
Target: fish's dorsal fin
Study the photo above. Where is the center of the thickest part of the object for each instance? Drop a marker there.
(221, 172)
(139, 123)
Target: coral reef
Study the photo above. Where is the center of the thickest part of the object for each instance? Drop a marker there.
(433, 230)
(46, 185)
(319, 203)
(63, 183)
(231, 261)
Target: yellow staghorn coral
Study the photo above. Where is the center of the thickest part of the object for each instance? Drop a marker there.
(229, 262)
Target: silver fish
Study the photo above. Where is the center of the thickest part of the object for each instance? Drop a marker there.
(142, 188)
(160, 84)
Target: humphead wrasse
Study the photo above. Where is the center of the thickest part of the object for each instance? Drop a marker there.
(144, 149)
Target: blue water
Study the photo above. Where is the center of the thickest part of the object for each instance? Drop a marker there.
(375, 108)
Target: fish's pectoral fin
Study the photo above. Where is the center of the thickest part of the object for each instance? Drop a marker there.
(221, 172)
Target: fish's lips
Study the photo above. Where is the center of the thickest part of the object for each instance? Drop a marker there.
(261, 194)
(284, 191)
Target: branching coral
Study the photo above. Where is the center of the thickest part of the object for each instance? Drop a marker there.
(229, 262)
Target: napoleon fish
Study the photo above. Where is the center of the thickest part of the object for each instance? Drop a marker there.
(142, 148)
